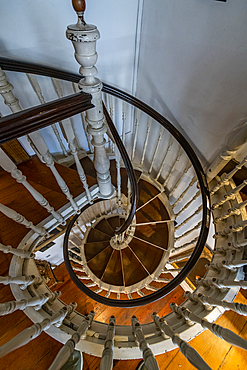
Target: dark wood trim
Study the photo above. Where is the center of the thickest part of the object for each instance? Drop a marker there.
(33, 119)
(8, 64)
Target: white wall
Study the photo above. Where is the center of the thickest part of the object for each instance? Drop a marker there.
(192, 67)
(34, 30)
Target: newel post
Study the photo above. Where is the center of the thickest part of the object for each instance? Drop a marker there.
(84, 37)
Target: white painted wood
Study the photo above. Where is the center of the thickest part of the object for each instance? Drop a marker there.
(196, 212)
(190, 353)
(240, 308)
(171, 141)
(232, 211)
(35, 302)
(182, 195)
(23, 281)
(229, 196)
(84, 39)
(37, 89)
(149, 124)
(6, 91)
(107, 354)
(231, 229)
(218, 330)
(186, 169)
(148, 356)
(32, 332)
(47, 157)
(235, 142)
(178, 156)
(68, 348)
(118, 159)
(8, 165)
(196, 227)
(17, 252)
(226, 177)
(188, 203)
(137, 123)
(22, 220)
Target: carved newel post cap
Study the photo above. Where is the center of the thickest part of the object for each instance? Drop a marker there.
(79, 5)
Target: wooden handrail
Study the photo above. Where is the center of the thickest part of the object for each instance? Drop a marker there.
(33, 119)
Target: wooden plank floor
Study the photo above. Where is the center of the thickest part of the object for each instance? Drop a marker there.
(40, 353)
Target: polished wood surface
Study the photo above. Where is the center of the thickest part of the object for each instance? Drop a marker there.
(40, 353)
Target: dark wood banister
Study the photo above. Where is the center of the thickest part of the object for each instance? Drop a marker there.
(50, 72)
(33, 119)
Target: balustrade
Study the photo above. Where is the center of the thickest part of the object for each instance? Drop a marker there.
(17, 252)
(190, 353)
(32, 332)
(68, 348)
(148, 356)
(218, 330)
(107, 355)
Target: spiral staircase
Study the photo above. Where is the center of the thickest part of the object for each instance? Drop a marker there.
(135, 212)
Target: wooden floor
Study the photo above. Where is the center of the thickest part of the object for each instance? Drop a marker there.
(40, 353)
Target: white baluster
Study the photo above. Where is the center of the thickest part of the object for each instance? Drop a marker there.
(218, 330)
(191, 183)
(231, 229)
(230, 247)
(107, 354)
(222, 284)
(236, 140)
(137, 123)
(23, 281)
(47, 157)
(227, 177)
(240, 308)
(232, 211)
(234, 265)
(123, 121)
(68, 348)
(6, 91)
(180, 258)
(84, 39)
(197, 226)
(21, 220)
(70, 136)
(186, 169)
(9, 166)
(35, 302)
(171, 141)
(190, 353)
(184, 246)
(148, 356)
(36, 87)
(17, 252)
(32, 332)
(230, 196)
(117, 159)
(149, 124)
(179, 155)
(188, 203)
(199, 209)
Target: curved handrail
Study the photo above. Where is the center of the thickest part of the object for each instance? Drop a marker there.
(29, 120)
(35, 118)
(129, 170)
(204, 193)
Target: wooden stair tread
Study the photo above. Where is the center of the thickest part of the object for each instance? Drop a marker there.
(148, 255)
(133, 270)
(94, 248)
(98, 263)
(113, 272)
(105, 227)
(97, 235)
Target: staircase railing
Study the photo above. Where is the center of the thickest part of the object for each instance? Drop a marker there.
(215, 291)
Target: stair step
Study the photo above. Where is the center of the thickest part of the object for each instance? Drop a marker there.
(132, 269)
(96, 236)
(113, 272)
(94, 248)
(105, 227)
(98, 263)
